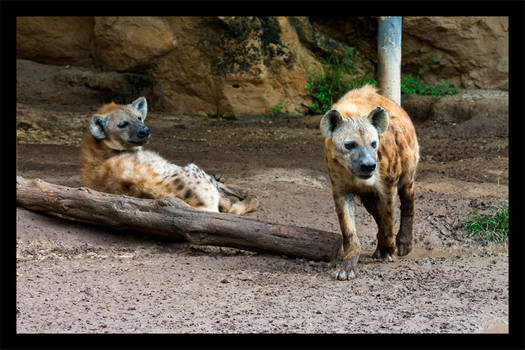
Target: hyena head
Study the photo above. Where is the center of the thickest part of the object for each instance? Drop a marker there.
(355, 139)
(122, 128)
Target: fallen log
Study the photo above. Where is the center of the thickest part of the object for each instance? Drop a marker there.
(172, 217)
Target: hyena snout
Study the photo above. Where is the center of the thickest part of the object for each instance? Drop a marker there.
(367, 167)
(364, 166)
(141, 134)
(366, 170)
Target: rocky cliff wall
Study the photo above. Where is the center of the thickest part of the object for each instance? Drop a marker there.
(246, 65)
(471, 51)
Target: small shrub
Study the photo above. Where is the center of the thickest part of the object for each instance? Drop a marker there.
(336, 80)
(492, 227)
(276, 109)
(277, 112)
(416, 85)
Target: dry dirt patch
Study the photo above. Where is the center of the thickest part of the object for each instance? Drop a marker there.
(78, 278)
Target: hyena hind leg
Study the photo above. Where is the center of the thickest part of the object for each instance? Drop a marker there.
(235, 200)
(233, 191)
(238, 207)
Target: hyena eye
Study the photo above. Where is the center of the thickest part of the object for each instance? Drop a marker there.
(350, 145)
(373, 144)
(123, 124)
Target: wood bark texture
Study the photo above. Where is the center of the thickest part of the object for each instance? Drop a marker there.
(172, 217)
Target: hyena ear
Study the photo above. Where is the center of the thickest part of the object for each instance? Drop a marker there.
(379, 119)
(329, 122)
(97, 125)
(141, 105)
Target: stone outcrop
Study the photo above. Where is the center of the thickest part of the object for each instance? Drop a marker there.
(356, 31)
(471, 112)
(470, 51)
(68, 85)
(55, 40)
(233, 66)
(131, 43)
(247, 65)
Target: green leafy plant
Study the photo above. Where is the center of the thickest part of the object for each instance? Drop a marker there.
(416, 85)
(336, 80)
(492, 227)
(276, 109)
(277, 112)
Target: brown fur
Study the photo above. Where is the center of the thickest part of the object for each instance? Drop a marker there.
(112, 160)
(396, 159)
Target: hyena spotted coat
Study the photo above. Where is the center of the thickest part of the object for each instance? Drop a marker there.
(371, 152)
(113, 161)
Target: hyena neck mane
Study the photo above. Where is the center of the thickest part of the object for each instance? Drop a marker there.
(94, 152)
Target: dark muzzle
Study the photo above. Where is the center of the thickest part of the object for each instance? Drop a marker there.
(141, 135)
(143, 132)
(368, 167)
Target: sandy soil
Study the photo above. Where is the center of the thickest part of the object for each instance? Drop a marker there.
(75, 278)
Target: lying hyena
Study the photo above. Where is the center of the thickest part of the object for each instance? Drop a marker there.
(372, 152)
(112, 160)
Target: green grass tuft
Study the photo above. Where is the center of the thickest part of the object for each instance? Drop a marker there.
(492, 227)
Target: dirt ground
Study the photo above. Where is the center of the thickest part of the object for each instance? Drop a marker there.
(75, 278)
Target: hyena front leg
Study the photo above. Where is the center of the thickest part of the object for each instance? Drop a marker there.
(381, 206)
(405, 238)
(344, 206)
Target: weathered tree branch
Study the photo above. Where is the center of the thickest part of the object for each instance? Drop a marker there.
(173, 218)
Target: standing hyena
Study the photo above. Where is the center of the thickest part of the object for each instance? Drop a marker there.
(112, 160)
(371, 151)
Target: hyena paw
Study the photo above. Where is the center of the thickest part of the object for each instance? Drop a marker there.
(253, 202)
(347, 270)
(403, 248)
(385, 254)
(218, 177)
(342, 275)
